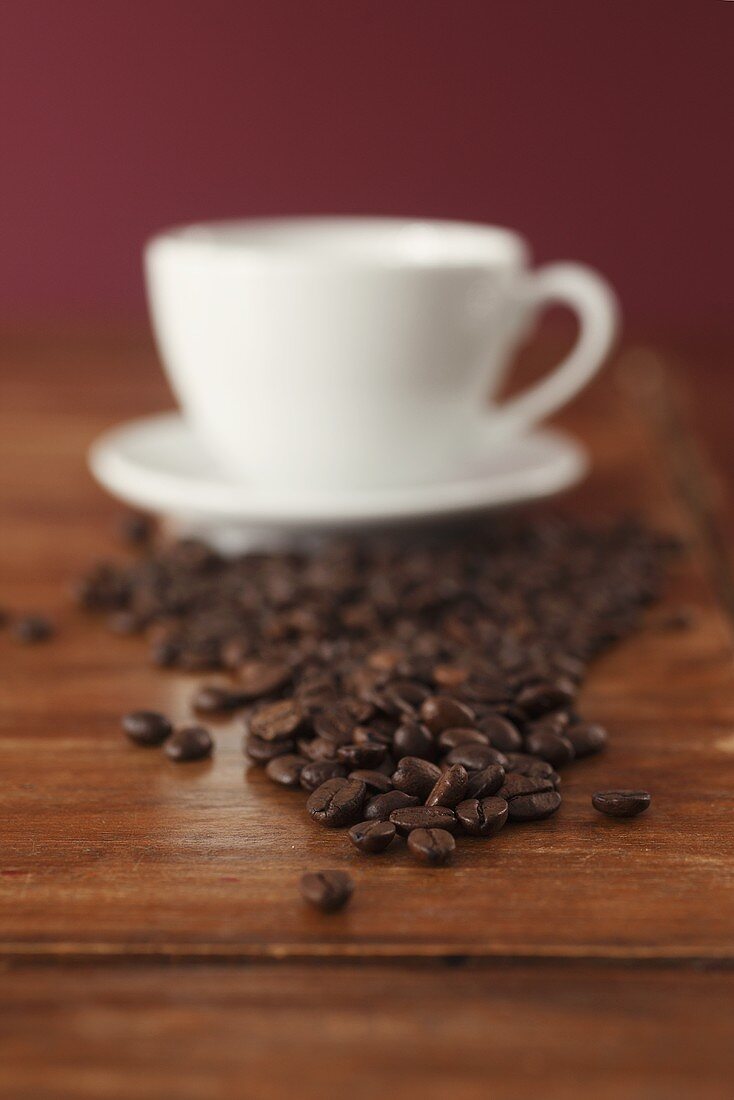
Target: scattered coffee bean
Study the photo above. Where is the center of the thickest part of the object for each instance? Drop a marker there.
(516, 784)
(327, 890)
(475, 757)
(540, 698)
(413, 739)
(258, 678)
(372, 836)
(453, 738)
(375, 781)
(380, 806)
(415, 776)
(367, 755)
(486, 782)
(275, 721)
(189, 743)
(316, 772)
(442, 712)
(31, 629)
(423, 817)
(553, 747)
(502, 734)
(337, 802)
(482, 816)
(432, 846)
(260, 752)
(449, 788)
(621, 803)
(147, 727)
(286, 770)
(533, 807)
(212, 699)
(586, 738)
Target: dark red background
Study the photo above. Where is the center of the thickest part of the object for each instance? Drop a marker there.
(602, 128)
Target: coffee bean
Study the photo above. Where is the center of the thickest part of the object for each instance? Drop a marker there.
(316, 748)
(286, 770)
(552, 747)
(621, 803)
(524, 764)
(374, 781)
(189, 743)
(327, 890)
(423, 817)
(413, 739)
(31, 629)
(486, 782)
(586, 738)
(482, 816)
(533, 807)
(449, 788)
(275, 721)
(316, 772)
(450, 677)
(432, 846)
(146, 727)
(260, 752)
(452, 738)
(415, 776)
(212, 699)
(336, 724)
(516, 785)
(539, 698)
(406, 696)
(475, 757)
(258, 678)
(367, 755)
(442, 712)
(337, 802)
(379, 807)
(372, 836)
(503, 735)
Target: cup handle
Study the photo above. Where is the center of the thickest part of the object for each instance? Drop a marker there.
(595, 304)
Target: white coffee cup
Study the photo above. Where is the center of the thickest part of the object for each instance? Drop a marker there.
(348, 353)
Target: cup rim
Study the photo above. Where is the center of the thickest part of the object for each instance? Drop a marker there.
(369, 242)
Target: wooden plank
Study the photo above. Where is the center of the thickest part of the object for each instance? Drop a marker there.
(208, 1032)
(110, 850)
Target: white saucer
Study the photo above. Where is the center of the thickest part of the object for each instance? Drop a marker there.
(156, 463)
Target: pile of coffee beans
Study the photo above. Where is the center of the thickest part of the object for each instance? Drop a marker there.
(416, 687)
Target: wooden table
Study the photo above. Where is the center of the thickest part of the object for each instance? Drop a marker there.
(151, 940)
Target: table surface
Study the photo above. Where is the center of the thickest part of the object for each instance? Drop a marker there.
(151, 938)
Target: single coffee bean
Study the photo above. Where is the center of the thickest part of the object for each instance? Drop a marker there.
(406, 696)
(337, 802)
(31, 629)
(534, 807)
(413, 739)
(450, 677)
(261, 752)
(540, 698)
(275, 721)
(375, 782)
(486, 782)
(452, 738)
(557, 722)
(415, 776)
(586, 738)
(502, 734)
(524, 764)
(372, 836)
(423, 817)
(326, 890)
(449, 788)
(475, 757)
(317, 748)
(367, 755)
(286, 770)
(442, 712)
(189, 743)
(552, 747)
(146, 727)
(212, 699)
(482, 816)
(256, 679)
(316, 772)
(379, 807)
(432, 846)
(621, 803)
(335, 724)
(516, 785)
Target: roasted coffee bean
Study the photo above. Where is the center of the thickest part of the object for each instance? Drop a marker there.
(261, 752)
(258, 678)
(516, 785)
(367, 755)
(449, 788)
(432, 846)
(502, 734)
(524, 764)
(452, 738)
(31, 629)
(381, 806)
(540, 698)
(475, 757)
(316, 772)
(406, 696)
(146, 727)
(586, 738)
(486, 782)
(375, 782)
(413, 739)
(337, 802)
(450, 677)
(316, 748)
(442, 712)
(423, 817)
(557, 722)
(286, 770)
(372, 836)
(415, 776)
(276, 721)
(189, 743)
(534, 807)
(482, 816)
(553, 747)
(212, 699)
(336, 724)
(327, 890)
(620, 803)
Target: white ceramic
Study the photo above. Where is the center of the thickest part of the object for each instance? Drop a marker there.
(157, 463)
(343, 353)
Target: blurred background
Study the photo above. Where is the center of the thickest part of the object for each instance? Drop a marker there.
(601, 130)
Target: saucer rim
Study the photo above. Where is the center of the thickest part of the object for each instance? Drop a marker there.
(204, 498)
